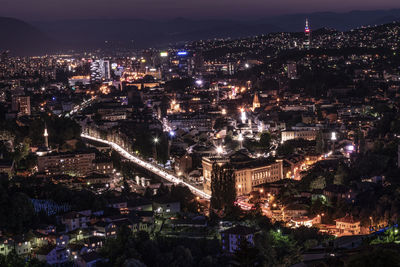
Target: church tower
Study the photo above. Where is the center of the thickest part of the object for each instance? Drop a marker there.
(256, 101)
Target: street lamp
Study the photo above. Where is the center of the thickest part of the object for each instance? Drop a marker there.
(155, 140)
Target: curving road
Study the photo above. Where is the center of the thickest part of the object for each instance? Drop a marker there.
(149, 166)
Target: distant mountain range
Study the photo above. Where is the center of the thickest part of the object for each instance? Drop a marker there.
(40, 37)
(22, 38)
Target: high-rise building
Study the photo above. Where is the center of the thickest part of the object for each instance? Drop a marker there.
(307, 36)
(100, 70)
(185, 63)
(291, 70)
(21, 104)
(106, 70)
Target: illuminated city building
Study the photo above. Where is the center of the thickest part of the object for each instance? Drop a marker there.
(256, 102)
(75, 164)
(21, 104)
(249, 172)
(298, 134)
(100, 70)
(291, 70)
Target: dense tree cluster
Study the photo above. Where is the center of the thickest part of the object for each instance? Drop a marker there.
(16, 210)
(223, 190)
(159, 251)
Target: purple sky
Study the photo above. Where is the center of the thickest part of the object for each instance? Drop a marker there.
(72, 9)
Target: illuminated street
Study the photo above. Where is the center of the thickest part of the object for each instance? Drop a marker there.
(150, 167)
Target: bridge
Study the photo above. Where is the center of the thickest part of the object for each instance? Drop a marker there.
(150, 166)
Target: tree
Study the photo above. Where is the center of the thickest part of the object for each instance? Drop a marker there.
(162, 148)
(275, 249)
(121, 248)
(220, 123)
(22, 150)
(285, 149)
(341, 175)
(150, 252)
(318, 183)
(360, 141)
(181, 257)
(185, 197)
(320, 143)
(246, 254)
(265, 140)
(116, 159)
(378, 256)
(208, 262)
(20, 214)
(223, 188)
(13, 260)
(128, 170)
(133, 263)
(163, 190)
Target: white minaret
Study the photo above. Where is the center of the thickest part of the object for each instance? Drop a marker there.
(46, 137)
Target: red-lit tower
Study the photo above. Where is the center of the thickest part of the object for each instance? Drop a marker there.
(307, 33)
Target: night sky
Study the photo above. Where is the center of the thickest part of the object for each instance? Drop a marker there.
(161, 9)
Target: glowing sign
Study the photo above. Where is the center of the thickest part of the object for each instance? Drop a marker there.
(182, 53)
(114, 66)
(163, 54)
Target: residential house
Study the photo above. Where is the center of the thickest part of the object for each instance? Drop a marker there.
(52, 254)
(347, 226)
(105, 229)
(232, 237)
(6, 245)
(165, 205)
(74, 220)
(94, 243)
